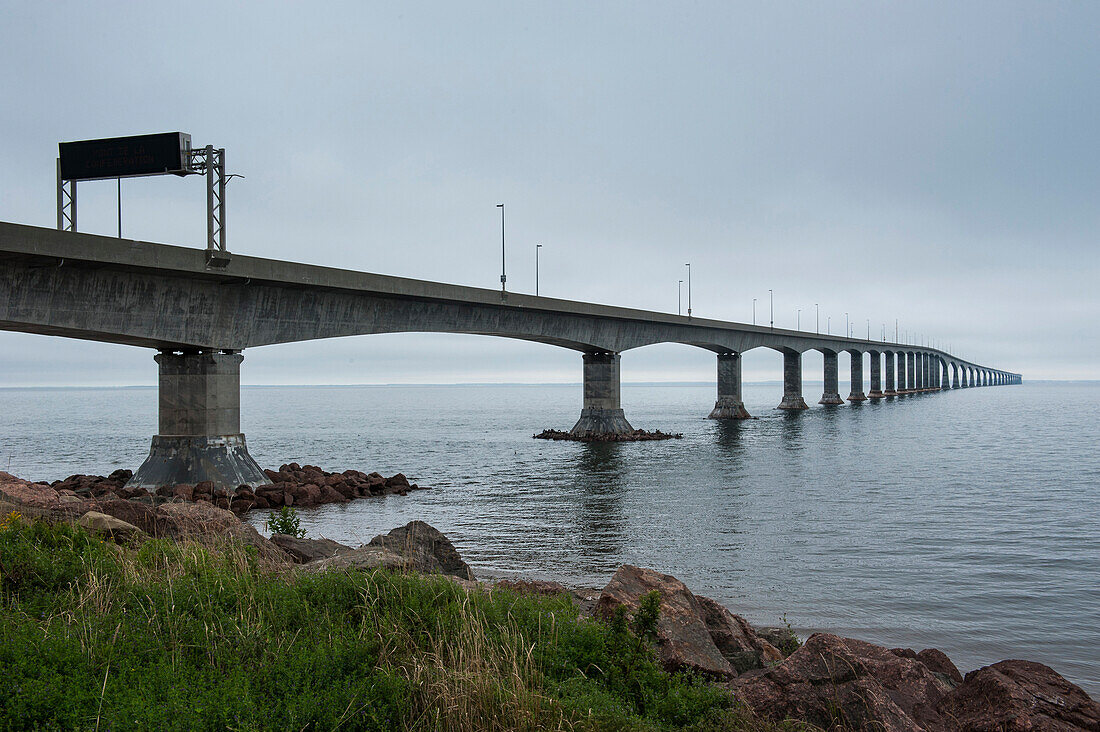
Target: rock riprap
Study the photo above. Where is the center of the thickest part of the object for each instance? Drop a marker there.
(291, 485)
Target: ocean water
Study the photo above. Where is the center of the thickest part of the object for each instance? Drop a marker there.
(967, 520)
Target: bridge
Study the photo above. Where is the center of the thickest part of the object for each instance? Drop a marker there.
(200, 318)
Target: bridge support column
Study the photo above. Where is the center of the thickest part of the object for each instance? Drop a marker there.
(903, 385)
(792, 382)
(857, 394)
(954, 376)
(831, 394)
(876, 376)
(200, 425)
(945, 378)
(891, 388)
(601, 412)
(729, 404)
(911, 363)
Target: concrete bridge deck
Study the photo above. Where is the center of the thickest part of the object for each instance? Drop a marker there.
(200, 318)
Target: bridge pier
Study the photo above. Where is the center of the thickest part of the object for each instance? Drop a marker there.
(911, 363)
(831, 393)
(891, 388)
(903, 385)
(945, 377)
(199, 436)
(792, 382)
(601, 411)
(729, 404)
(857, 394)
(876, 376)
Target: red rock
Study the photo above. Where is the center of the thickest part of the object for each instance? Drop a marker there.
(397, 480)
(184, 491)
(735, 638)
(938, 663)
(832, 681)
(1019, 696)
(683, 641)
(26, 493)
(331, 495)
(206, 486)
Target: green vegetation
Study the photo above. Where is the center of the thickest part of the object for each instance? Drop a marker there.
(285, 521)
(177, 636)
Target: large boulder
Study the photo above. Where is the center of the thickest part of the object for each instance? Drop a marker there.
(735, 639)
(116, 529)
(425, 550)
(205, 523)
(1019, 696)
(365, 558)
(832, 681)
(684, 642)
(303, 551)
(26, 493)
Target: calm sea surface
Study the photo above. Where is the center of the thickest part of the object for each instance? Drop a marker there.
(968, 521)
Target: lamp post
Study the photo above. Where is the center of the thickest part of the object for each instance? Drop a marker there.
(503, 276)
(754, 311)
(895, 330)
(679, 289)
(868, 329)
(847, 328)
(798, 319)
(771, 310)
(817, 319)
(537, 248)
(688, 265)
(829, 324)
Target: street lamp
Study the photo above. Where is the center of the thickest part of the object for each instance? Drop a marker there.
(771, 310)
(537, 248)
(798, 319)
(829, 324)
(503, 277)
(817, 319)
(754, 311)
(688, 265)
(679, 288)
(868, 329)
(847, 328)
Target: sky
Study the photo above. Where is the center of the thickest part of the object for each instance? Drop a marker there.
(934, 164)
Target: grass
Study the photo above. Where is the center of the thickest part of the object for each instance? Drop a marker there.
(177, 636)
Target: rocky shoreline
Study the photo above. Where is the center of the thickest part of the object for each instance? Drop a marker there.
(827, 680)
(303, 486)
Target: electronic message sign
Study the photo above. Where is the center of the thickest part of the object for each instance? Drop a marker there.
(126, 157)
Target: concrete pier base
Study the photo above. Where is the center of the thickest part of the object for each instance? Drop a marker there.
(792, 382)
(857, 394)
(601, 412)
(199, 425)
(831, 392)
(729, 404)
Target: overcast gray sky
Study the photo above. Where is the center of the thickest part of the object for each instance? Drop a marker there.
(933, 162)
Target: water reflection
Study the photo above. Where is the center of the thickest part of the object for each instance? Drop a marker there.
(599, 475)
(729, 435)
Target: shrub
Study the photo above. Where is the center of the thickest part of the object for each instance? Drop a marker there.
(285, 521)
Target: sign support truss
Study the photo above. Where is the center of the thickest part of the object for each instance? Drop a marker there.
(66, 202)
(212, 162)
